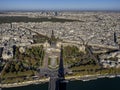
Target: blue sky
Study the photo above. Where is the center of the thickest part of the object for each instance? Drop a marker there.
(59, 4)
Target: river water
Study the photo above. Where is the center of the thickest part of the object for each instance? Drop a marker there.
(99, 84)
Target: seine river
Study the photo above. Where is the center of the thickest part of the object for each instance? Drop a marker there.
(99, 84)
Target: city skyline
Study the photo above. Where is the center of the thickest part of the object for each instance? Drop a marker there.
(59, 5)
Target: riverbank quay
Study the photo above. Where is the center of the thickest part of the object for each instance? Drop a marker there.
(69, 78)
(24, 83)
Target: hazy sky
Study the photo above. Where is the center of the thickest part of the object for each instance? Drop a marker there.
(59, 4)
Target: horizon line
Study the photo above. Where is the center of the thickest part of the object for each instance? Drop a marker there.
(59, 10)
